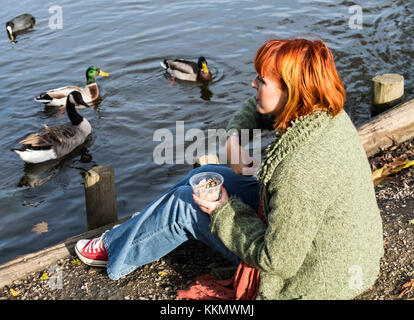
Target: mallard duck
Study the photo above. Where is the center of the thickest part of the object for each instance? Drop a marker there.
(19, 24)
(56, 141)
(57, 97)
(187, 70)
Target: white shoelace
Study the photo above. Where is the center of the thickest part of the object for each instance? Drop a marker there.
(97, 244)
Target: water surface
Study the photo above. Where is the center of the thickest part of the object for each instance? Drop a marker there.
(128, 39)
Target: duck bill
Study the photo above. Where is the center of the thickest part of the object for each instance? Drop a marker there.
(104, 74)
(83, 103)
(204, 66)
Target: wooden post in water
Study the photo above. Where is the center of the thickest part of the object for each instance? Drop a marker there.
(100, 197)
(387, 91)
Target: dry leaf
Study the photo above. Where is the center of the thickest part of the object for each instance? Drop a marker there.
(408, 287)
(397, 165)
(14, 292)
(44, 276)
(162, 273)
(40, 227)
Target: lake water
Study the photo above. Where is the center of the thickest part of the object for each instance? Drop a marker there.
(128, 39)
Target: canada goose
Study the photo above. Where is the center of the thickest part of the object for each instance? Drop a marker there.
(57, 141)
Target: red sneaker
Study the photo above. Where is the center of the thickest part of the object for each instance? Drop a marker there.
(92, 252)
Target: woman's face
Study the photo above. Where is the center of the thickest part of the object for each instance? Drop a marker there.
(271, 98)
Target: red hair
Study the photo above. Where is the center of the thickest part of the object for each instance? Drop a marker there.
(307, 70)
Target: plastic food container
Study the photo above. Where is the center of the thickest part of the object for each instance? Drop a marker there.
(207, 185)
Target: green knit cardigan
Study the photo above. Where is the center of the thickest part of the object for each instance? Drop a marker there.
(322, 236)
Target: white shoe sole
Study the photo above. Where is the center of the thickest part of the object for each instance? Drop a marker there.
(90, 262)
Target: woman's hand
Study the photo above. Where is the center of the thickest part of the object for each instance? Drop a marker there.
(239, 159)
(210, 206)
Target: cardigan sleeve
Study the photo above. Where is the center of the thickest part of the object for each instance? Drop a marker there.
(248, 118)
(278, 247)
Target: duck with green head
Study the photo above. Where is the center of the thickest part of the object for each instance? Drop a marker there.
(187, 70)
(90, 93)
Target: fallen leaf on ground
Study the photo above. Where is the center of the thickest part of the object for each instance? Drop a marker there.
(14, 292)
(44, 276)
(411, 221)
(397, 165)
(41, 227)
(76, 261)
(162, 273)
(407, 288)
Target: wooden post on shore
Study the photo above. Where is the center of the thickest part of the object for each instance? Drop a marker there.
(387, 91)
(100, 197)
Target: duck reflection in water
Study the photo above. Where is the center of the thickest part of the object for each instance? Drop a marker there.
(205, 92)
(56, 112)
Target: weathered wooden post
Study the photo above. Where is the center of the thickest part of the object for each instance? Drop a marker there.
(100, 197)
(387, 91)
(392, 127)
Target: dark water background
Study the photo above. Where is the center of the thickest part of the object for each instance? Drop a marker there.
(128, 39)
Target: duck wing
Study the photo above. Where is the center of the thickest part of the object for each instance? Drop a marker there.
(23, 22)
(89, 93)
(182, 65)
(52, 136)
(62, 92)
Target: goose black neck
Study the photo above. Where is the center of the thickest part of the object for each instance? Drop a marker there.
(74, 116)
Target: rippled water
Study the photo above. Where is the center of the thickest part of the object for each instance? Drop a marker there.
(128, 39)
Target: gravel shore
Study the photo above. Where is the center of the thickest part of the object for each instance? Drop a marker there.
(396, 201)
(72, 280)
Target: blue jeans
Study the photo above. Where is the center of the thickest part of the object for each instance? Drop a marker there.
(171, 220)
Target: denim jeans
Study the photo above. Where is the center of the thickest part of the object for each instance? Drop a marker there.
(171, 220)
